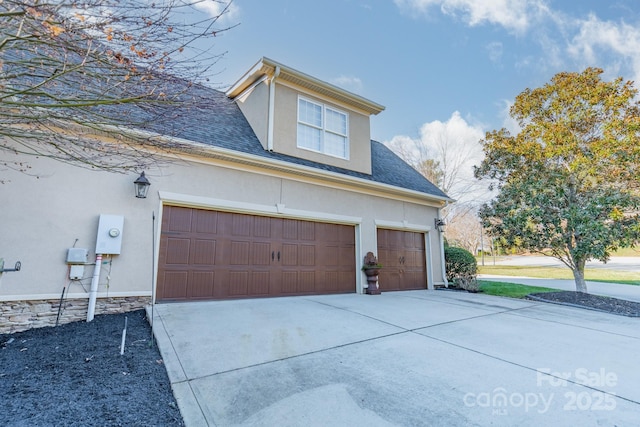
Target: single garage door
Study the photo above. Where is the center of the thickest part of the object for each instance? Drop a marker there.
(220, 255)
(402, 255)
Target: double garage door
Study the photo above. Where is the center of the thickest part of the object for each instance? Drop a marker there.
(220, 255)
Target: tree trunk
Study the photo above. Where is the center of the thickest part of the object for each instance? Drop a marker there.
(578, 275)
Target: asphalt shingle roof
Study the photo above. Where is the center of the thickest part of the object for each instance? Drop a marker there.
(216, 120)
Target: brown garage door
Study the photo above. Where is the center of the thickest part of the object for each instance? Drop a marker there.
(402, 255)
(219, 255)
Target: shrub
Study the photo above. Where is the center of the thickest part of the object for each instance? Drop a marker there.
(462, 268)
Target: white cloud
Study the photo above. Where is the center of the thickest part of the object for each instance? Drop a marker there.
(351, 83)
(513, 15)
(566, 42)
(455, 144)
(421, 6)
(508, 122)
(495, 50)
(597, 40)
(214, 8)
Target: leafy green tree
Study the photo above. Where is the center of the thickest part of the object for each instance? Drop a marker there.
(568, 181)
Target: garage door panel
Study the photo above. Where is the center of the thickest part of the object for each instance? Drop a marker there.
(413, 277)
(343, 277)
(261, 253)
(174, 285)
(177, 251)
(327, 255)
(262, 227)
(259, 284)
(242, 225)
(329, 233)
(389, 259)
(289, 255)
(307, 231)
(205, 222)
(239, 253)
(238, 283)
(413, 259)
(204, 252)
(390, 281)
(230, 255)
(202, 284)
(345, 257)
(409, 240)
(290, 229)
(418, 241)
(331, 280)
(306, 282)
(178, 219)
(307, 255)
(289, 282)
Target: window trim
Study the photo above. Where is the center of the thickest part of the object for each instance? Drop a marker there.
(323, 128)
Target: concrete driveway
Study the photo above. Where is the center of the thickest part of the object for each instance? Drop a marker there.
(400, 358)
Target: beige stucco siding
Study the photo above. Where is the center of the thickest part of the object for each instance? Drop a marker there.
(254, 104)
(42, 217)
(285, 131)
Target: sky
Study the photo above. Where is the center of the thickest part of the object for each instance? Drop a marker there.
(441, 68)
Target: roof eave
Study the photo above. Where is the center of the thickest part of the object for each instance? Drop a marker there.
(209, 151)
(268, 66)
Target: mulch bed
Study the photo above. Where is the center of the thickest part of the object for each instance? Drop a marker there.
(74, 375)
(589, 301)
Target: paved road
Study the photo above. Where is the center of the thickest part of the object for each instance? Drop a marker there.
(615, 263)
(628, 292)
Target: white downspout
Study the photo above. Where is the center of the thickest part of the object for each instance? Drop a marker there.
(93, 293)
(270, 112)
(443, 266)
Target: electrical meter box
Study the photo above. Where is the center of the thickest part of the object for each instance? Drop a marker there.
(109, 240)
(77, 256)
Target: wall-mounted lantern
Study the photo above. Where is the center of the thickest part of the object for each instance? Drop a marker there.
(142, 186)
(440, 224)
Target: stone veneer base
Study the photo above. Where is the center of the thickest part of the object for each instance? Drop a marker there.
(16, 316)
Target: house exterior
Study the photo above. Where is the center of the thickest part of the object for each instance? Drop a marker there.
(277, 190)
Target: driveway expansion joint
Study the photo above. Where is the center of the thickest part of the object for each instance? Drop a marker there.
(401, 332)
(507, 311)
(295, 356)
(543, 319)
(536, 370)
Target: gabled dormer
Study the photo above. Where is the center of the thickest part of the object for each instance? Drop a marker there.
(298, 115)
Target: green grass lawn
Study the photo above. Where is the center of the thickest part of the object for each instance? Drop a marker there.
(511, 290)
(627, 252)
(593, 274)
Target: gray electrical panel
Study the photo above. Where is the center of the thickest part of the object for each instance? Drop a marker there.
(109, 239)
(77, 256)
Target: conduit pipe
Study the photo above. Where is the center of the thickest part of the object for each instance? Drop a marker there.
(272, 98)
(444, 268)
(93, 293)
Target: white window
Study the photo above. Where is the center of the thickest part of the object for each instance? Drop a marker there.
(322, 129)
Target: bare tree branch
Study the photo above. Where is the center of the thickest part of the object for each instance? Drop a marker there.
(71, 71)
